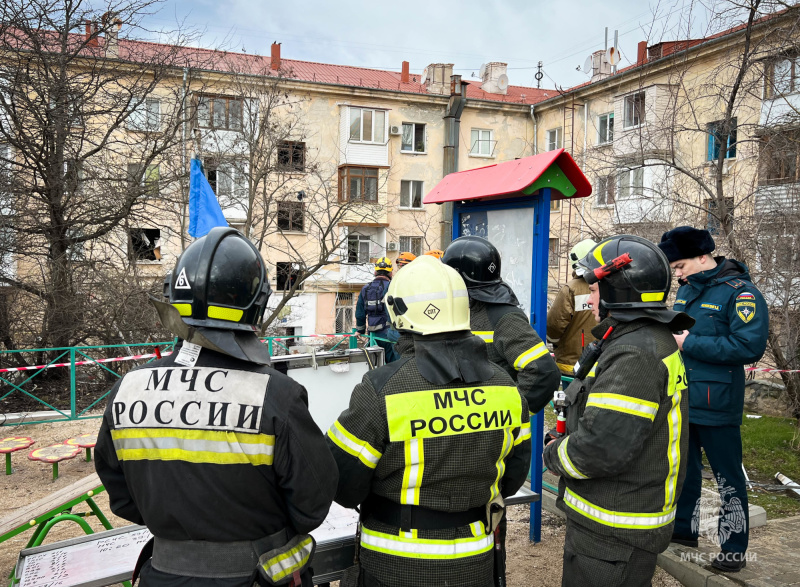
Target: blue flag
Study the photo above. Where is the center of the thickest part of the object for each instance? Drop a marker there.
(204, 210)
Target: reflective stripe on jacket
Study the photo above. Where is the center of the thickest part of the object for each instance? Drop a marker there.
(449, 448)
(224, 451)
(513, 344)
(623, 462)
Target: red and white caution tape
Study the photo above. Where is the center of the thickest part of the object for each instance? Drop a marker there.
(769, 370)
(87, 362)
(311, 336)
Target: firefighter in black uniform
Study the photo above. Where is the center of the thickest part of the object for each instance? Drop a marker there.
(211, 448)
(623, 460)
(497, 319)
(431, 443)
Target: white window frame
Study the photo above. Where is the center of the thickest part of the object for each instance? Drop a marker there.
(475, 147)
(626, 180)
(554, 253)
(609, 138)
(629, 101)
(602, 184)
(233, 202)
(146, 116)
(413, 244)
(414, 126)
(409, 184)
(361, 239)
(372, 140)
(553, 139)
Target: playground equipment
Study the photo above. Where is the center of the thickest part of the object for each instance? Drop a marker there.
(11, 444)
(54, 454)
(85, 441)
(509, 204)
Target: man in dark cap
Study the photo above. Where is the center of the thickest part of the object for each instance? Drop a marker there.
(730, 331)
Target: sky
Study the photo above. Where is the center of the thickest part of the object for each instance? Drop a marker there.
(466, 33)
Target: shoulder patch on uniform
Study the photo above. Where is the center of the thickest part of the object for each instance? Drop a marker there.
(714, 307)
(746, 295)
(736, 283)
(582, 303)
(746, 310)
(680, 302)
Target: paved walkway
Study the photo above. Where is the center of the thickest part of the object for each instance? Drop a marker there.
(773, 559)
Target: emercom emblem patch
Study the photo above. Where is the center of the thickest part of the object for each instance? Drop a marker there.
(745, 310)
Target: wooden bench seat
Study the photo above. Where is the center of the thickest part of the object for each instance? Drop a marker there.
(40, 511)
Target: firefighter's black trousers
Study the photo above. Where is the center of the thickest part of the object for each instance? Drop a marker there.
(592, 560)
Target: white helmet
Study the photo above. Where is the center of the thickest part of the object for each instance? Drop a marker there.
(428, 297)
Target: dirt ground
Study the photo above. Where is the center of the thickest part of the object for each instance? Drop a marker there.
(529, 565)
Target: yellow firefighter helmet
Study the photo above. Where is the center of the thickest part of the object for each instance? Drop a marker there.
(428, 297)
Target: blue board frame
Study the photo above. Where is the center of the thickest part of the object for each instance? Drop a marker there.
(540, 202)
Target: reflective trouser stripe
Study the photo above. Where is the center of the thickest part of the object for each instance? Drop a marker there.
(523, 434)
(412, 475)
(531, 354)
(677, 383)
(425, 548)
(566, 462)
(356, 447)
(290, 561)
(193, 446)
(633, 521)
(508, 443)
(485, 335)
(673, 450)
(624, 404)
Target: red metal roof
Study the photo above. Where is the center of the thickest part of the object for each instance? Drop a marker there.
(506, 179)
(345, 75)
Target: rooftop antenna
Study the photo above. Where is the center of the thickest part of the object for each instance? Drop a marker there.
(587, 66)
(539, 75)
(616, 50)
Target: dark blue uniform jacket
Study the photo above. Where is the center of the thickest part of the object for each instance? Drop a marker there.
(730, 331)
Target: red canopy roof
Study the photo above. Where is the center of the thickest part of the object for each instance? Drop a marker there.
(508, 179)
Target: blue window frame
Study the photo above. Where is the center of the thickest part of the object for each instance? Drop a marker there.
(717, 135)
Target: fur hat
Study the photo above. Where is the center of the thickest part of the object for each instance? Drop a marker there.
(686, 242)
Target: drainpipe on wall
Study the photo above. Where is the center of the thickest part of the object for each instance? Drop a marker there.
(585, 131)
(183, 158)
(452, 128)
(535, 128)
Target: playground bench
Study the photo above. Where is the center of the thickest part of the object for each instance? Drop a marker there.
(43, 512)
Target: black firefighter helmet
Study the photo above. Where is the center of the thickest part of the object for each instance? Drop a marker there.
(635, 288)
(476, 259)
(478, 262)
(217, 294)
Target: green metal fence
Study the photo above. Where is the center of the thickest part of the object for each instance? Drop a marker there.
(23, 379)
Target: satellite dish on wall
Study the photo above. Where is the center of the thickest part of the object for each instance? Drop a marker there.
(587, 65)
(424, 77)
(482, 70)
(502, 82)
(612, 55)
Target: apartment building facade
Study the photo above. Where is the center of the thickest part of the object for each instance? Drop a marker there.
(652, 137)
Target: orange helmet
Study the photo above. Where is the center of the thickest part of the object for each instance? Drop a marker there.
(435, 253)
(404, 259)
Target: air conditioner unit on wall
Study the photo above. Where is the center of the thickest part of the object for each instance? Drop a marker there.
(392, 246)
(395, 130)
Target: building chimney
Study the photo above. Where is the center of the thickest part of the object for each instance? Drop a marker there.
(641, 53)
(437, 78)
(112, 39)
(275, 57)
(601, 68)
(495, 80)
(404, 76)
